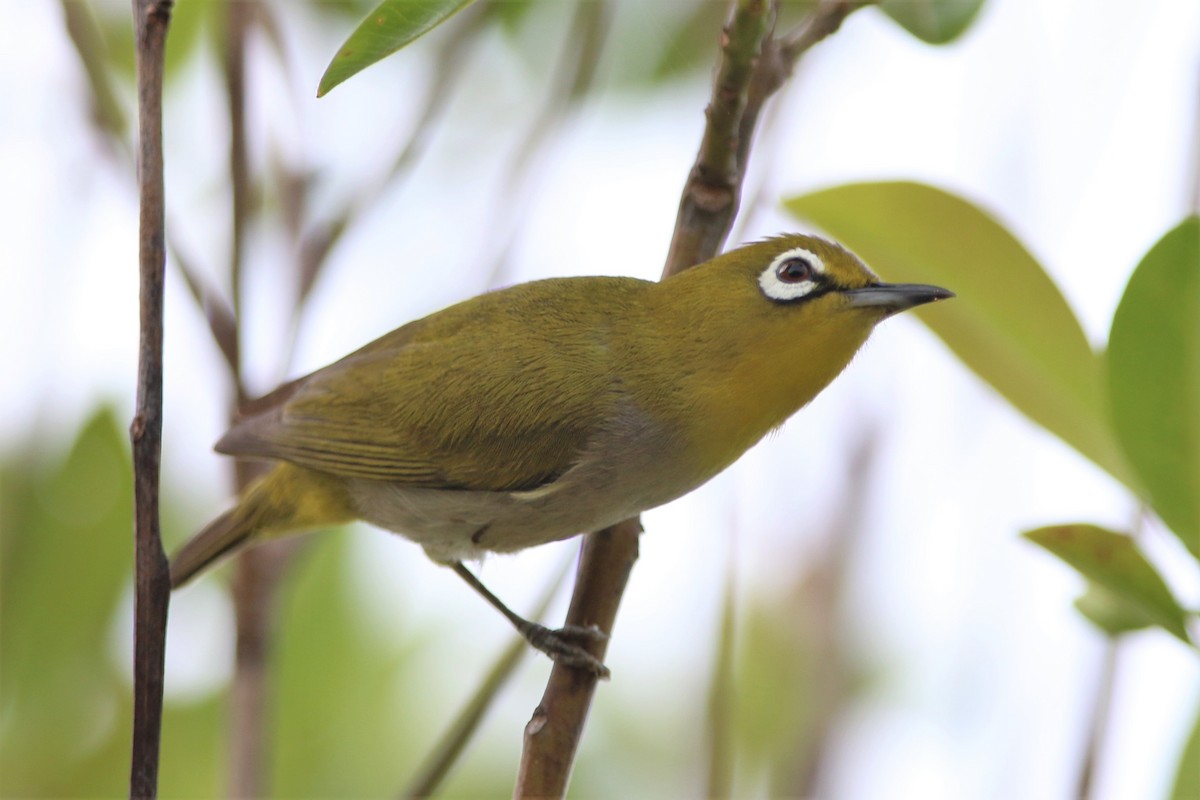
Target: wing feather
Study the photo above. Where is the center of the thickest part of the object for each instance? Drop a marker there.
(453, 401)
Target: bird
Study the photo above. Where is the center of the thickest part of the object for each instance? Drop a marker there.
(552, 408)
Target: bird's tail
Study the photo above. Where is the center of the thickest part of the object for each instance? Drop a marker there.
(288, 499)
(218, 538)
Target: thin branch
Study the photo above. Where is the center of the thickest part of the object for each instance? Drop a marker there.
(257, 569)
(222, 323)
(237, 25)
(712, 192)
(1100, 721)
(152, 581)
(825, 21)
(552, 735)
(107, 114)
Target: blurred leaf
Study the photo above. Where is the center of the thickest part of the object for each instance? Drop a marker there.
(510, 13)
(392, 25)
(67, 545)
(1110, 612)
(1114, 562)
(189, 23)
(933, 21)
(1154, 377)
(1187, 779)
(194, 751)
(67, 553)
(341, 724)
(775, 708)
(1009, 323)
(692, 44)
(84, 33)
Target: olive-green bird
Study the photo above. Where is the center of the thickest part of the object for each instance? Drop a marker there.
(553, 408)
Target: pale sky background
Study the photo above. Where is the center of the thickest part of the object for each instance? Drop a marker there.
(1073, 121)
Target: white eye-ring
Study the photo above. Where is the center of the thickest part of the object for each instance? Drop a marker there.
(792, 274)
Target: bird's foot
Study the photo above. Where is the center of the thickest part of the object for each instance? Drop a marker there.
(564, 645)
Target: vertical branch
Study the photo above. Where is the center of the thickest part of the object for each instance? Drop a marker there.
(1101, 719)
(258, 569)
(152, 580)
(237, 19)
(713, 189)
(606, 560)
(552, 735)
(751, 68)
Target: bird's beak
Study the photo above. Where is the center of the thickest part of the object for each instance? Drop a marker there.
(895, 297)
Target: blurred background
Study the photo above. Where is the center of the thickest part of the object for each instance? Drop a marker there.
(891, 633)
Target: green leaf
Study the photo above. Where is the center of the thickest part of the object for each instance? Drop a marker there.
(67, 553)
(1009, 323)
(1154, 378)
(339, 684)
(1187, 779)
(1114, 562)
(933, 21)
(1110, 612)
(392, 25)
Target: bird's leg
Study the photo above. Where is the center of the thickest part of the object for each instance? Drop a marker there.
(556, 644)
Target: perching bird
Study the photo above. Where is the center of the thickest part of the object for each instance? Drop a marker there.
(553, 408)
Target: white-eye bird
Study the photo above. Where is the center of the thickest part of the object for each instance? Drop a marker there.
(553, 408)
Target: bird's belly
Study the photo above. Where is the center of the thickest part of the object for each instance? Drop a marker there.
(457, 525)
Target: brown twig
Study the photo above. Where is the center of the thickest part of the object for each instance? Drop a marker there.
(257, 569)
(107, 113)
(552, 735)
(712, 192)
(1101, 719)
(152, 580)
(825, 21)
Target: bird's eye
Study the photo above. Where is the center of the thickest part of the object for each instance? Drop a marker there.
(795, 270)
(792, 274)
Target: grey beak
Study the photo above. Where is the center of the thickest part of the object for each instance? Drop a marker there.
(895, 297)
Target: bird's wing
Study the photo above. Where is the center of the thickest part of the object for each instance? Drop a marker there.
(443, 403)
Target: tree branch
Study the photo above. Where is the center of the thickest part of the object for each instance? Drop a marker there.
(152, 580)
(713, 189)
(552, 735)
(751, 69)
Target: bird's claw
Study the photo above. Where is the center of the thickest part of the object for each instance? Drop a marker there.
(558, 645)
